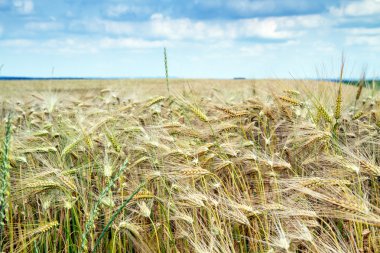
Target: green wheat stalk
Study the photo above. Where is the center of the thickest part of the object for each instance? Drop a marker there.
(4, 178)
(94, 211)
(166, 70)
(114, 216)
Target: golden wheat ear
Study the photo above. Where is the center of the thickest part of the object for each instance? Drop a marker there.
(360, 88)
(338, 103)
(197, 111)
(321, 110)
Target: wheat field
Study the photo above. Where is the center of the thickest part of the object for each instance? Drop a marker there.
(211, 166)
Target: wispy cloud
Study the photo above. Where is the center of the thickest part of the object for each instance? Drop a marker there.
(266, 28)
(373, 41)
(365, 37)
(364, 31)
(119, 10)
(16, 43)
(102, 26)
(44, 26)
(164, 27)
(262, 49)
(81, 46)
(23, 6)
(179, 29)
(358, 8)
(109, 43)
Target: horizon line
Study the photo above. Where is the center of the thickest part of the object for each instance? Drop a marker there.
(26, 78)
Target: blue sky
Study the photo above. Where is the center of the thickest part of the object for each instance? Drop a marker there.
(204, 38)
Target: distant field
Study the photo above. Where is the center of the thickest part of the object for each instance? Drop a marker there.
(152, 87)
(208, 166)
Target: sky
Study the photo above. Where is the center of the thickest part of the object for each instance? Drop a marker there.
(204, 38)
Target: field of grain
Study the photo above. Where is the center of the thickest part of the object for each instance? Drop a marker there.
(208, 166)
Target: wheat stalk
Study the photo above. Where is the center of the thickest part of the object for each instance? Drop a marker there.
(5, 180)
(94, 211)
(113, 217)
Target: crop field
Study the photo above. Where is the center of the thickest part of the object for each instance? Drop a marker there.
(193, 166)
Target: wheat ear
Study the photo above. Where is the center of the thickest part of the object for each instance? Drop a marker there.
(338, 103)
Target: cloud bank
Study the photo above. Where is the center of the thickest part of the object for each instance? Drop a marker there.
(237, 37)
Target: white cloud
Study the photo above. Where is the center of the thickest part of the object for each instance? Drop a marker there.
(162, 27)
(23, 6)
(68, 45)
(122, 9)
(260, 49)
(253, 50)
(117, 10)
(363, 37)
(104, 26)
(364, 40)
(324, 46)
(44, 26)
(268, 28)
(363, 31)
(177, 29)
(358, 8)
(131, 43)
(117, 27)
(81, 46)
(18, 43)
